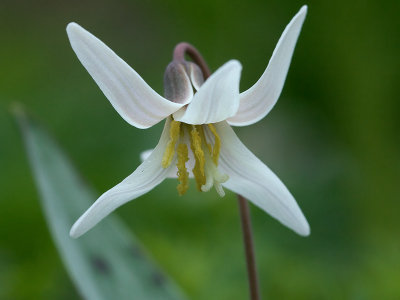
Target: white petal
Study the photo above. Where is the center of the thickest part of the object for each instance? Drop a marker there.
(252, 179)
(217, 99)
(257, 101)
(148, 175)
(130, 95)
(145, 154)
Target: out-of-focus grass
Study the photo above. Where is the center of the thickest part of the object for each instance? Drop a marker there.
(332, 138)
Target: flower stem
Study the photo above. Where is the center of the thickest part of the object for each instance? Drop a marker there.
(185, 48)
(249, 248)
(179, 54)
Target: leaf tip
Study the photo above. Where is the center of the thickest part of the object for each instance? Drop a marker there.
(17, 109)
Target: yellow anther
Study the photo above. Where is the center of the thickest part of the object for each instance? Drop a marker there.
(183, 175)
(217, 144)
(195, 145)
(170, 149)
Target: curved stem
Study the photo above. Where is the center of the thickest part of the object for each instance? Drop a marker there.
(180, 51)
(249, 248)
(185, 48)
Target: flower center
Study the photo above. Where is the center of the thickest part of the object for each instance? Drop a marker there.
(205, 155)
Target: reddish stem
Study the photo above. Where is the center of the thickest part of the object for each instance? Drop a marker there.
(249, 248)
(180, 51)
(185, 48)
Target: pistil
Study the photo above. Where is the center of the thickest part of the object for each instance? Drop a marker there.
(183, 175)
(198, 153)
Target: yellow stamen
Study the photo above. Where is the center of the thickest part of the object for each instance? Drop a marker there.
(183, 175)
(206, 156)
(198, 170)
(170, 149)
(217, 144)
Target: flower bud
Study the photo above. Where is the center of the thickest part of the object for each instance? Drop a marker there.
(177, 85)
(196, 75)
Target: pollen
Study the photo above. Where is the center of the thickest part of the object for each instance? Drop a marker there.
(183, 175)
(173, 139)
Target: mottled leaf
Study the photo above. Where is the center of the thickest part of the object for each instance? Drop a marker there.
(106, 263)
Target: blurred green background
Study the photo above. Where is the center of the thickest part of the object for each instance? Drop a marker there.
(333, 138)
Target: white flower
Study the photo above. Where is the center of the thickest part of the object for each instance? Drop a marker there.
(199, 121)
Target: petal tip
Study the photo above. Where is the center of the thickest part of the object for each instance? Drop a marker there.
(71, 27)
(304, 230)
(75, 31)
(304, 9)
(75, 231)
(301, 15)
(234, 63)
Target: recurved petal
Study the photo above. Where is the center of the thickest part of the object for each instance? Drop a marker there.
(128, 93)
(146, 154)
(217, 99)
(257, 101)
(252, 179)
(148, 175)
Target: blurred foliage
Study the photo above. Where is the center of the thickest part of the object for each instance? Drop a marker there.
(332, 138)
(106, 263)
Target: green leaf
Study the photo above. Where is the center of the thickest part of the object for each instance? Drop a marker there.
(106, 263)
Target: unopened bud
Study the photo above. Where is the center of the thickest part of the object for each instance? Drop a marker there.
(196, 75)
(177, 85)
